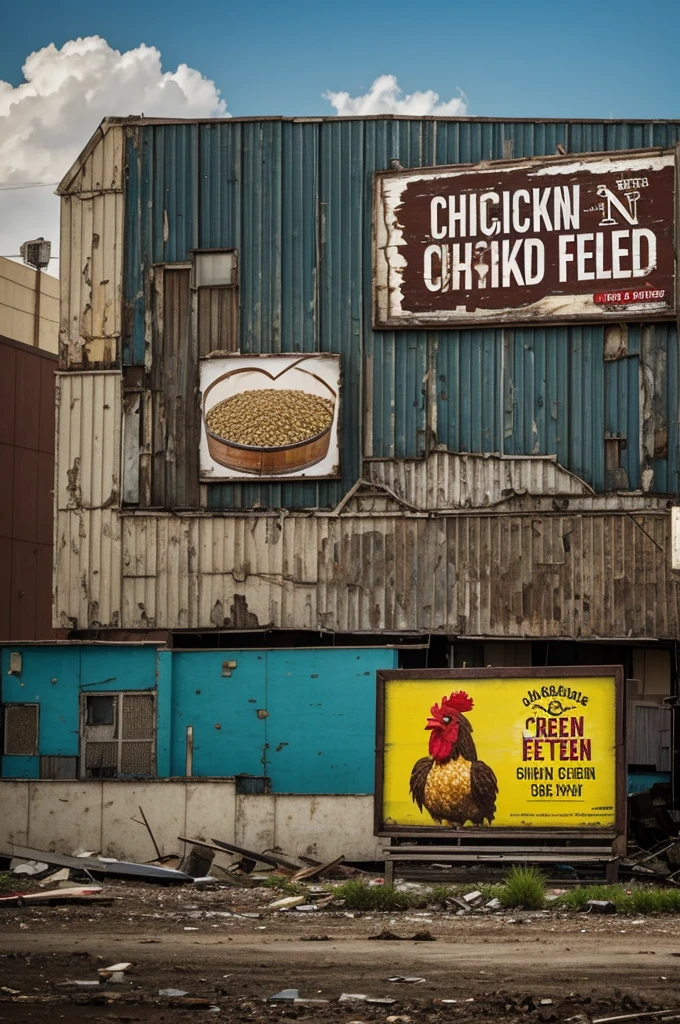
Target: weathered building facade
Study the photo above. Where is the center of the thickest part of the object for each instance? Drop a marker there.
(496, 494)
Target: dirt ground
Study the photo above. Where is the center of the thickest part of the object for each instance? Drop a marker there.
(229, 953)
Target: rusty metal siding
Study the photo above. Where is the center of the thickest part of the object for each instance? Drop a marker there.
(174, 394)
(482, 574)
(91, 255)
(88, 440)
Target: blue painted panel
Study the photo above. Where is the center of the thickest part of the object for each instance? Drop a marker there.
(20, 767)
(204, 699)
(321, 724)
(49, 677)
(643, 782)
(123, 667)
(553, 397)
(469, 371)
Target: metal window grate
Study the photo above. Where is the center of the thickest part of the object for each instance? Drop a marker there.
(101, 760)
(136, 758)
(138, 716)
(21, 729)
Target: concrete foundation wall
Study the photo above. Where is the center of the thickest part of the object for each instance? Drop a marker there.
(68, 816)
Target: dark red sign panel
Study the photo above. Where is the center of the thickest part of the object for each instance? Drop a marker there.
(567, 239)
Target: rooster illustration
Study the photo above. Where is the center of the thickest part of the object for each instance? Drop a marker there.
(451, 783)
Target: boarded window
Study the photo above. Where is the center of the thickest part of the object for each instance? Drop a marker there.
(217, 299)
(21, 729)
(118, 736)
(56, 767)
(649, 736)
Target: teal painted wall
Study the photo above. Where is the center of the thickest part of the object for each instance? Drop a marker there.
(315, 731)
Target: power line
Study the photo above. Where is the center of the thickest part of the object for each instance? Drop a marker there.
(35, 184)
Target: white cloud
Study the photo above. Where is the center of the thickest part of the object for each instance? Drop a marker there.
(386, 97)
(47, 119)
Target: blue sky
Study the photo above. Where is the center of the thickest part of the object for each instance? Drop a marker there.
(523, 59)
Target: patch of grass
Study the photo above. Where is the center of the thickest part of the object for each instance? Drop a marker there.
(524, 888)
(634, 900)
(7, 882)
(360, 896)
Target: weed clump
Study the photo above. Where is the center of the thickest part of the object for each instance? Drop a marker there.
(524, 888)
(358, 895)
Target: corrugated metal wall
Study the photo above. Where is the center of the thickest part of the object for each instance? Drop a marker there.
(295, 199)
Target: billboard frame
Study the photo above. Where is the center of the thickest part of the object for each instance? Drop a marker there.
(383, 318)
(382, 829)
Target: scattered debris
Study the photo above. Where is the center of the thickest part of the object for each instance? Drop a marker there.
(352, 997)
(474, 899)
(495, 904)
(286, 995)
(392, 936)
(406, 980)
(172, 993)
(601, 906)
(74, 894)
(326, 938)
(286, 902)
(29, 867)
(317, 870)
(100, 865)
(106, 972)
(266, 858)
(151, 835)
(546, 1002)
(631, 1016)
(62, 875)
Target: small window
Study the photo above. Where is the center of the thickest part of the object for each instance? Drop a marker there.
(212, 269)
(21, 729)
(118, 735)
(100, 710)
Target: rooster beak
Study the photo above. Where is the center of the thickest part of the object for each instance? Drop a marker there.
(432, 723)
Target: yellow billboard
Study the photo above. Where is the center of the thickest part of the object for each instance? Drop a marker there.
(503, 748)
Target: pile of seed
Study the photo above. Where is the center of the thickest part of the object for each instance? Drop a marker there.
(269, 418)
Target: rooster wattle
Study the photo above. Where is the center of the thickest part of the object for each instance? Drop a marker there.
(451, 784)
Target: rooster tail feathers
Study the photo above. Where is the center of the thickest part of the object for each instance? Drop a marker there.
(484, 789)
(421, 770)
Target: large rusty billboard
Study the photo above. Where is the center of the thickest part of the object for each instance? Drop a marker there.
(567, 238)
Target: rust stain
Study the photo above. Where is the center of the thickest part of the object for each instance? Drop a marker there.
(73, 485)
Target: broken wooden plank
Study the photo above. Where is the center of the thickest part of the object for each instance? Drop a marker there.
(266, 858)
(316, 870)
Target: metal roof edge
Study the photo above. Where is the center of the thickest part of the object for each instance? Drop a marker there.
(134, 119)
(90, 146)
(141, 120)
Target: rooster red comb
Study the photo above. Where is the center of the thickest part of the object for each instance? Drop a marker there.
(458, 702)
